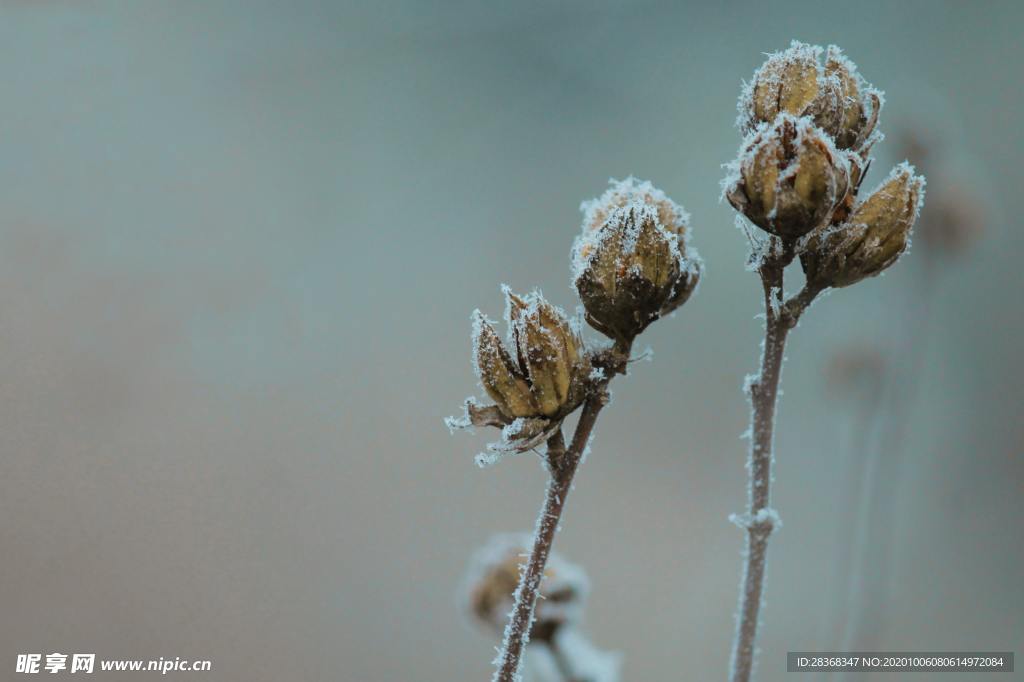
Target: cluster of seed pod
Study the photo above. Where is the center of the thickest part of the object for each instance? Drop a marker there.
(631, 265)
(810, 127)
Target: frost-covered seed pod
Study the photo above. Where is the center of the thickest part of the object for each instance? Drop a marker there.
(834, 96)
(789, 178)
(788, 82)
(632, 271)
(872, 239)
(541, 379)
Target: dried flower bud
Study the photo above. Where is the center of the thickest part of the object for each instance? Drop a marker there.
(541, 379)
(789, 178)
(835, 96)
(872, 239)
(633, 269)
(494, 575)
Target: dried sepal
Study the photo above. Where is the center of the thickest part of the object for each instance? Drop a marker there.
(788, 178)
(474, 414)
(519, 436)
(874, 236)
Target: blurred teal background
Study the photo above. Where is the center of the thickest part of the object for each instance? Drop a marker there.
(239, 246)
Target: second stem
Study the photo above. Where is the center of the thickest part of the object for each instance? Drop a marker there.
(760, 519)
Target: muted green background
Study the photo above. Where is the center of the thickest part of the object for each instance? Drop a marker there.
(239, 246)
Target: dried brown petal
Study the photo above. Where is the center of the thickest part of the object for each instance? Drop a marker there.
(498, 374)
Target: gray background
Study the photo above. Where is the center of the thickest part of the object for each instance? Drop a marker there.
(240, 246)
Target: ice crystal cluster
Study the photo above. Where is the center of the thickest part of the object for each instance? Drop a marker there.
(810, 122)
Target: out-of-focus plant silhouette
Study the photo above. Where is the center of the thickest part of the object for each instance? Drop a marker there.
(881, 381)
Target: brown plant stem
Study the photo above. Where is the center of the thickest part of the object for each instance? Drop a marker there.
(780, 317)
(562, 464)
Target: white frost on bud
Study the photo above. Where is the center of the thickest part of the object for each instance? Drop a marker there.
(644, 199)
(622, 193)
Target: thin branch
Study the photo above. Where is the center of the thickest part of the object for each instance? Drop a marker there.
(562, 465)
(796, 306)
(760, 519)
